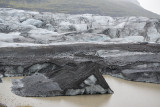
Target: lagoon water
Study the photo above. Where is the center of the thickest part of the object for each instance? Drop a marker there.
(126, 94)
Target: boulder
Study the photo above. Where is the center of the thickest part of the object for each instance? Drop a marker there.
(71, 79)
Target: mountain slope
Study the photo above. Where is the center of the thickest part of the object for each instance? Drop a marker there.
(101, 7)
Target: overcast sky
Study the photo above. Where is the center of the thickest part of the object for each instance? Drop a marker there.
(152, 5)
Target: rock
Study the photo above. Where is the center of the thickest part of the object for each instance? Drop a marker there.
(33, 22)
(80, 79)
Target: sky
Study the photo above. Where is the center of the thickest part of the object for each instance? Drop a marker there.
(151, 5)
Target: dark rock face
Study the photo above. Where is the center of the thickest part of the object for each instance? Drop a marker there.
(71, 79)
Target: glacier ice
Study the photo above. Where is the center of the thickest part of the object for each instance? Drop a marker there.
(46, 28)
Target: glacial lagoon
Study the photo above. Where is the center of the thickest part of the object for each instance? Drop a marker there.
(126, 94)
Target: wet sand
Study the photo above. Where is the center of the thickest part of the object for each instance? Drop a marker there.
(126, 94)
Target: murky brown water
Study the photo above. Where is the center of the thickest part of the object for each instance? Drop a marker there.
(126, 94)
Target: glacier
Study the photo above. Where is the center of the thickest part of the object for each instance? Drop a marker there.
(20, 27)
(50, 45)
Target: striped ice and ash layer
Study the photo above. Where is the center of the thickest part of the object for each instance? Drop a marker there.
(135, 62)
(76, 80)
(91, 88)
(28, 28)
